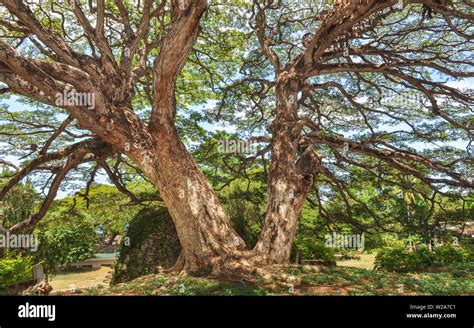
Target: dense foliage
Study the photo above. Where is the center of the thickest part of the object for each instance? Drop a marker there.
(63, 243)
(400, 259)
(15, 270)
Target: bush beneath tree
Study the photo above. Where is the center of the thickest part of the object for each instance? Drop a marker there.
(399, 259)
(151, 242)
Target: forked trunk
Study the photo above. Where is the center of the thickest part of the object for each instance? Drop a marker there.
(207, 239)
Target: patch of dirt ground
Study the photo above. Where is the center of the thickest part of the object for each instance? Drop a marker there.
(69, 281)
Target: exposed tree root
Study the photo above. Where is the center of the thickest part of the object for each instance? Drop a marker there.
(245, 269)
(178, 266)
(241, 266)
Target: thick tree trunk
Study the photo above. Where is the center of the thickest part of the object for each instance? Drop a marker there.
(204, 231)
(289, 179)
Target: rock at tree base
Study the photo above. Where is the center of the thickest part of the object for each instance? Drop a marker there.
(151, 242)
(43, 288)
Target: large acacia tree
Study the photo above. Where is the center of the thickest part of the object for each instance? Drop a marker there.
(312, 78)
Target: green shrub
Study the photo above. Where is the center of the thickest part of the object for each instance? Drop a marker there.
(245, 208)
(14, 270)
(468, 245)
(64, 244)
(399, 259)
(313, 250)
(448, 254)
(422, 258)
(392, 258)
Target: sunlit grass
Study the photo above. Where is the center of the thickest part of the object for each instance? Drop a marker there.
(81, 279)
(304, 280)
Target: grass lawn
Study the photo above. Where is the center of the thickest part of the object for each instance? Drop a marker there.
(304, 280)
(366, 261)
(81, 279)
(349, 277)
